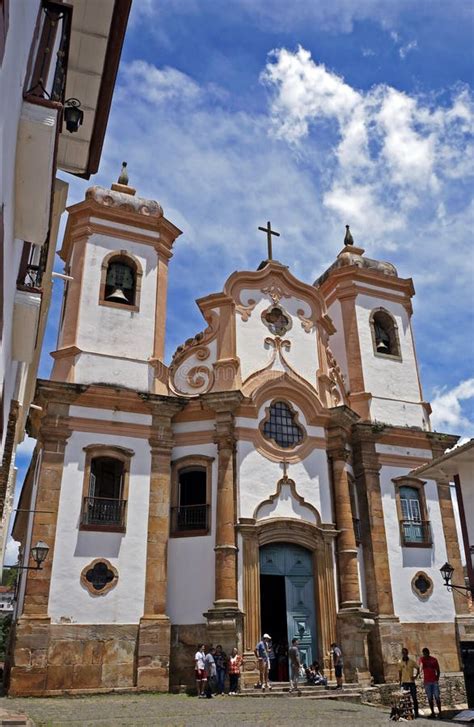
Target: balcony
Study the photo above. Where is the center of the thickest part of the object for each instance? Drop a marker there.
(415, 534)
(102, 513)
(190, 520)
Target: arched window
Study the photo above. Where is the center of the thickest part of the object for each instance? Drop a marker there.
(190, 496)
(414, 525)
(105, 488)
(120, 281)
(384, 334)
(281, 425)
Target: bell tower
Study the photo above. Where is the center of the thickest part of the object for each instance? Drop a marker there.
(116, 249)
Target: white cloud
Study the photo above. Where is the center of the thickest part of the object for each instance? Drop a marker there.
(405, 49)
(393, 152)
(11, 551)
(368, 52)
(156, 85)
(449, 409)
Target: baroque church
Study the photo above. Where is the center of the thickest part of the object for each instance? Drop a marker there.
(262, 481)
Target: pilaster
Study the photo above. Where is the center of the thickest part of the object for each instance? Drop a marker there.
(225, 619)
(154, 633)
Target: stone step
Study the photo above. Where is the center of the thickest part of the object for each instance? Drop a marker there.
(339, 695)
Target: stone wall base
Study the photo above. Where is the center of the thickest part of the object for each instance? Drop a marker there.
(55, 658)
(184, 644)
(153, 654)
(452, 688)
(389, 635)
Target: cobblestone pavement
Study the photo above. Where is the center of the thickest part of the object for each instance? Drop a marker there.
(128, 710)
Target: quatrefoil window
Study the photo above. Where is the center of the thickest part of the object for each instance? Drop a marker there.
(276, 320)
(99, 577)
(422, 585)
(281, 426)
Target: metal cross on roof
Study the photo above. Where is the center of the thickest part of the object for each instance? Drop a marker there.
(270, 232)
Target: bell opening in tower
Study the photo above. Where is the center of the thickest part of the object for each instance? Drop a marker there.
(274, 623)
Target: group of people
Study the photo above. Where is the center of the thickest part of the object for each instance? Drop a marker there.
(409, 671)
(212, 666)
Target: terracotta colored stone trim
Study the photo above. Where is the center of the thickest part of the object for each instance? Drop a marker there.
(461, 603)
(108, 587)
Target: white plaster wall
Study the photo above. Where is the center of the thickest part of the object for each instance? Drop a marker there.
(404, 563)
(22, 19)
(92, 368)
(118, 332)
(110, 415)
(387, 378)
(395, 411)
(337, 343)
(191, 561)
(75, 549)
(258, 477)
(251, 334)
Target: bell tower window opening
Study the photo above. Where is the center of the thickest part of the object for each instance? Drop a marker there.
(120, 282)
(385, 334)
(281, 426)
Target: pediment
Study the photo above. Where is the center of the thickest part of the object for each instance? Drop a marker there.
(287, 503)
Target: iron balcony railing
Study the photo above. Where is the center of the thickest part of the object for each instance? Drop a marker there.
(415, 532)
(102, 511)
(189, 517)
(48, 79)
(357, 530)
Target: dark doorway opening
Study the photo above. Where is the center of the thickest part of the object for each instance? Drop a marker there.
(467, 656)
(273, 622)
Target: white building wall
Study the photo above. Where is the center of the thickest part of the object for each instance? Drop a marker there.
(393, 384)
(258, 477)
(254, 354)
(22, 20)
(123, 334)
(404, 562)
(191, 561)
(69, 600)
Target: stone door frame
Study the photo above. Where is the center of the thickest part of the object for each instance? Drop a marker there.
(319, 540)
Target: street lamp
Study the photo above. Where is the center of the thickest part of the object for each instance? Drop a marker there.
(39, 553)
(447, 571)
(73, 114)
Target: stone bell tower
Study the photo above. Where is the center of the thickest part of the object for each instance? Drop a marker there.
(116, 249)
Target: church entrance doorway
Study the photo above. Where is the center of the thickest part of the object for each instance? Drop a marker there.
(287, 603)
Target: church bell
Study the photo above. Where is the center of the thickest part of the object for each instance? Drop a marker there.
(381, 346)
(118, 296)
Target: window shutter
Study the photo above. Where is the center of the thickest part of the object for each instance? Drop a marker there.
(405, 505)
(92, 485)
(415, 511)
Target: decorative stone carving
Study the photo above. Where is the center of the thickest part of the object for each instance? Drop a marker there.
(128, 202)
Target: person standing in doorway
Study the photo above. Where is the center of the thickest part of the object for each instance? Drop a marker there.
(338, 662)
(408, 671)
(235, 662)
(295, 665)
(431, 674)
(261, 652)
(199, 671)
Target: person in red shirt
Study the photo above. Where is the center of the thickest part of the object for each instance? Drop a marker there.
(431, 674)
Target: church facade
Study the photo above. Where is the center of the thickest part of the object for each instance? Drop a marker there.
(260, 482)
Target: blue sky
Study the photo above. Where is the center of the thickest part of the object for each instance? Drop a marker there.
(313, 115)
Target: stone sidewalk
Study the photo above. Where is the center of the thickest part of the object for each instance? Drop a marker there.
(166, 710)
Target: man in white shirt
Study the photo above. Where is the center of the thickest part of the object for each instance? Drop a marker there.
(201, 678)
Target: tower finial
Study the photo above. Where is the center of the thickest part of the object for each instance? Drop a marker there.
(348, 239)
(123, 178)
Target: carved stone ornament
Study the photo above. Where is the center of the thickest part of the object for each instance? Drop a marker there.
(198, 376)
(128, 202)
(336, 379)
(99, 577)
(277, 320)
